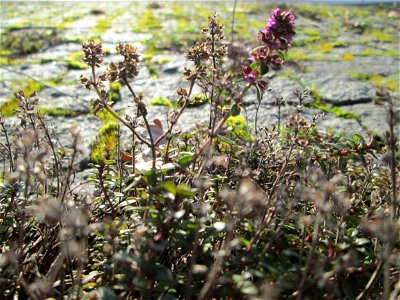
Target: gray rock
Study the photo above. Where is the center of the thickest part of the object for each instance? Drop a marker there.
(340, 90)
(67, 97)
(57, 52)
(374, 118)
(44, 71)
(380, 65)
(88, 127)
(59, 129)
(268, 116)
(283, 87)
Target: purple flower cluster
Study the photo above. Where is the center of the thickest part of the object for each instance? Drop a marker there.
(276, 37)
(279, 31)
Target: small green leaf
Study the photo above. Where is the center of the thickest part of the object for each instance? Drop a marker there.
(282, 55)
(248, 288)
(254, 65)
(185, 158)
(361, 241)
(105, 292)
(226, 140)
(235, 110)
(264, 69)
(342, 163)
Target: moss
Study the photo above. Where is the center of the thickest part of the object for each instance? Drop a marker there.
(105, 116)
(8, 61)
(67, 21)
(237, 126)
(28, 86)
(318, 104)
(371, 52)
(348, 57)
(148, 60)
(329, 46)
(379, 35)
(76, 65)
(198, 100)
(378, 80)
(56, 112)
(162, 101)
(74, 61)
(114, 92)
(164, 60)
(105, 23)
(104, 148)
(23, 41)
(311, 32)
(147, 23)
(297, 54)
(391, 52)
(236, 122)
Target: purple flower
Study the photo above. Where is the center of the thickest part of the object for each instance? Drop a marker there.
(279, 30)
(250, 74)
(276, 36)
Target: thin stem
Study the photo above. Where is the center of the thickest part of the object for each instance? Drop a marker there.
(309, 258)
(8, 147)
(143, 113)
(233, 21)
(179, 114)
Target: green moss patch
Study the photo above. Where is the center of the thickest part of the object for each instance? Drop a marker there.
(337, 111)
(28, 86)
(163, 102)
(104, 148)
(105, 23)
(21, 41)
(114, 93)
(57, 112)
(378, 80)
(147, 23)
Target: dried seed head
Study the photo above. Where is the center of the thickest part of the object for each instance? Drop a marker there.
(93, 53)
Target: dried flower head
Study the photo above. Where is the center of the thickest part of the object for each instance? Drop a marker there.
(128, 68)
(198, 53)
(93, 53)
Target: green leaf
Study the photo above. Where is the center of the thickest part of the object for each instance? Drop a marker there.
(248, 288)
(361, 241)
(226, 140)
(322, 165)
(264, 69)
(254, 65)
(358, 138)
(235, 110)
(106, 293)
(185, 158)
(342, 163)
(282, 55)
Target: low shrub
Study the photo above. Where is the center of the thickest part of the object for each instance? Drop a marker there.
(230, 210)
